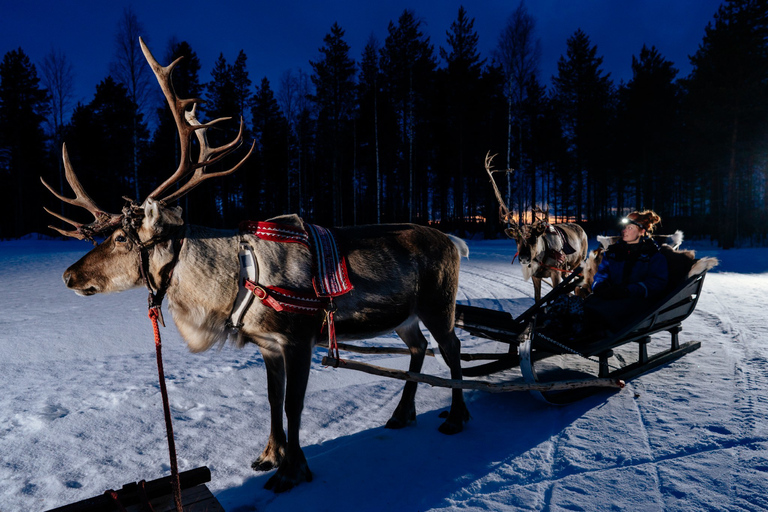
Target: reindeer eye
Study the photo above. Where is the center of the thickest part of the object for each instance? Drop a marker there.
(120, 239)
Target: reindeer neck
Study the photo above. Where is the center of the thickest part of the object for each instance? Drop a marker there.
(204, 285)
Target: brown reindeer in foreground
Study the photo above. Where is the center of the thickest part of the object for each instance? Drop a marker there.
(402, 274)
(545, 250)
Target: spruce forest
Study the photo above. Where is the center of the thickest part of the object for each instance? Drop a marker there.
(400, 132)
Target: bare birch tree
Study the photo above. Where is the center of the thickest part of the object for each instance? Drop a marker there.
(58, 78)
(130, 69)
(293, 97)
(519, 53)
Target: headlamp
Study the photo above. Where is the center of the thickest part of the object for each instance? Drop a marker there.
(627, 220)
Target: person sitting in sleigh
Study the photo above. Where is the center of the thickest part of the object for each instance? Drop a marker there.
(631, 276)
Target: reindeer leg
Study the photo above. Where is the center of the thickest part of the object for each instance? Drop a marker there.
(536, 288)
(293, 469)
(450, 348)
(274, 452)
(405, 413)
(557, 277)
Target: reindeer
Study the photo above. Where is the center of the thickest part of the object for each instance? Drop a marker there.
(402, 274)
(545, 250)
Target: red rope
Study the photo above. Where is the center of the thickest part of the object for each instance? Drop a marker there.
(333, 346)
(154, 314)
(559, 269)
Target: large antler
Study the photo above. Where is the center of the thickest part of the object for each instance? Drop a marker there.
(187, 124)
(102, 220)
(504, 213)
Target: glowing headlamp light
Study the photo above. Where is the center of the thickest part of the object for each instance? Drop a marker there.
(627, 220)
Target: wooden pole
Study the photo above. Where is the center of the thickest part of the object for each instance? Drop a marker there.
(405, 352)
(493, 387)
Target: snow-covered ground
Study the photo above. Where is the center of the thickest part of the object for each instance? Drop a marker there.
(80, 409)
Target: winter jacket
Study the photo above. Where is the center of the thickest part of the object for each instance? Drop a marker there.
(632, 270)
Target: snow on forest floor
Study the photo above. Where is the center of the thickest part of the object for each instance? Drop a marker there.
(80, 409)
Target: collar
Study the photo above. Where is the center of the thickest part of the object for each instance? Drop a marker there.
(157, 292)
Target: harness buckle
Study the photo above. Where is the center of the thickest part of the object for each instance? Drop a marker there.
(259, 292)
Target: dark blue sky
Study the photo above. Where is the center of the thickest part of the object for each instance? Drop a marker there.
(286, 34)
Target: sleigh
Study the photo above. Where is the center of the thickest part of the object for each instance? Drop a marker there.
(156, 495)
(529, 348)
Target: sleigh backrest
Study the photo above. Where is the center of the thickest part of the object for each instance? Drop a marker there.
(679, 263)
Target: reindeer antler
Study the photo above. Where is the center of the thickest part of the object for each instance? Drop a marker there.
(102, 220)
(187, 124)
(504, 213)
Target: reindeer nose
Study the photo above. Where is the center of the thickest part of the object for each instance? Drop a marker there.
(67, 276)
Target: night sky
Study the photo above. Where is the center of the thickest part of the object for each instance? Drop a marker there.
(286, 34)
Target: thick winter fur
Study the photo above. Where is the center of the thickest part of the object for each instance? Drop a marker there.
(402, 274)
(702, 265)
(534, 239)
(675, 240)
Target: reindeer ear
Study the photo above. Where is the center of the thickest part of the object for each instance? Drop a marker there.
(157, 216)
(512, 232)
(151, 212)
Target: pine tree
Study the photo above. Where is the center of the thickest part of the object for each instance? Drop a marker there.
(242, 83)
(649, 131)
(101, 142)
(267, 189)
(408, 65)
(23, 107)
(228, 95)
(727, 108)
(333, 77)
(585, 94)
(463, 113)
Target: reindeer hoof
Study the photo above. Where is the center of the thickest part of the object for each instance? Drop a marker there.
(270, 458)
(454, 422)
(286, 480)
(398, 420)
(449, 428)
(263, 465)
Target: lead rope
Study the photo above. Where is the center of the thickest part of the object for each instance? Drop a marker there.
(154, 315)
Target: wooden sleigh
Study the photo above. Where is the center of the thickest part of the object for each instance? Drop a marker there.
(528, 346)
(156, 495)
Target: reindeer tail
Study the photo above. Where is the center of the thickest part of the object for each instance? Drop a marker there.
(461, 245)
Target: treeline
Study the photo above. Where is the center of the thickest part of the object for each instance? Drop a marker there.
(400, 133)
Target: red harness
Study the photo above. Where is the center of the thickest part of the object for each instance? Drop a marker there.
(331, 279)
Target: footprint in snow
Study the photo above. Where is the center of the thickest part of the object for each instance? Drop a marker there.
(53, 412)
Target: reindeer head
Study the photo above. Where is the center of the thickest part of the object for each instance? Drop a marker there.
(116, 263)
(530, 244)
(529, 237)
